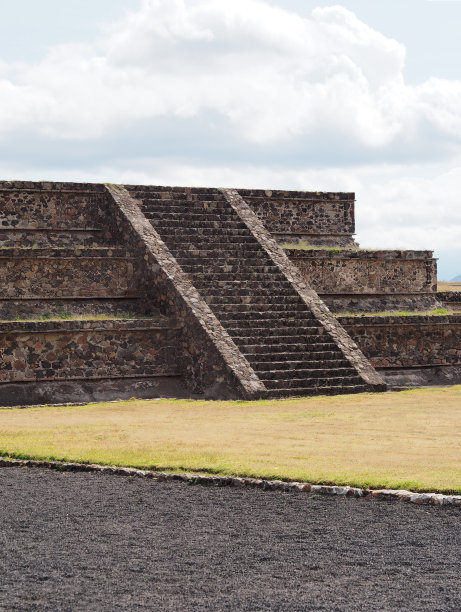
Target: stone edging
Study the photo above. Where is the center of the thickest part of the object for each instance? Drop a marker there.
(435, 499)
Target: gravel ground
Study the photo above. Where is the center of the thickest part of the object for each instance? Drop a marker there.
(79, 541)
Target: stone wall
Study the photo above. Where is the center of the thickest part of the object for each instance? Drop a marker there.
(450, 299)
(402, 343)
(67, 350)
(61, 264)
(318, 218)
(68, 272)
(43, 214)
(45, 308)
(361, 280)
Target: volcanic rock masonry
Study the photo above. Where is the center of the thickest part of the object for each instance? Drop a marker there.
(146, 291)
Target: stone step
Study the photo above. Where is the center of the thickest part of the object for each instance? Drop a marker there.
(161, 189)
(202, 256)
(312, 383)
(252, 306)
(236, 244)
(196, 262)
(190, 214)
(194, 211)
(197, 225)
(244, 295)
(258, 359)
(161, 192)
(230, 228)
(327, 390)
(255, 302)
(216, 298)
(246, 275)
(304, 320)
(256, 308)
(206, 200)
(251, 284)
(149, 205)
(265, 318)
(306, 374)
(200, 202)
(295, 366)
(191, 250)
(287, 347)
(192, 233)
(281, 330)
(197, 269)
(282, 342)
(248, 278)
(46, 307)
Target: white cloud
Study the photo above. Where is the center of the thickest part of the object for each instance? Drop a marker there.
(440, 102)
(271, 74)
(259, 79)
(410, 207)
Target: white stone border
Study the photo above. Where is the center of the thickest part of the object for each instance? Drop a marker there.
(435, 499)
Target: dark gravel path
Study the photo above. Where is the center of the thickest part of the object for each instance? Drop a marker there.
(77, 541)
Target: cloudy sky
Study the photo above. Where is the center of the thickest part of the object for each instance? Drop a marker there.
(360, 96)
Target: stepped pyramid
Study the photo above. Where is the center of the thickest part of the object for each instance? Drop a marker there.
(111, 291)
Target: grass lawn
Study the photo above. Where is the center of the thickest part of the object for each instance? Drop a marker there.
(409, 439)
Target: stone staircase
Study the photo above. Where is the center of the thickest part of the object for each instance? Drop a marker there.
(71, 305)
(287, 346)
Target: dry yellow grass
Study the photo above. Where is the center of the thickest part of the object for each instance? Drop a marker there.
(409, 439)
(448, 286)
